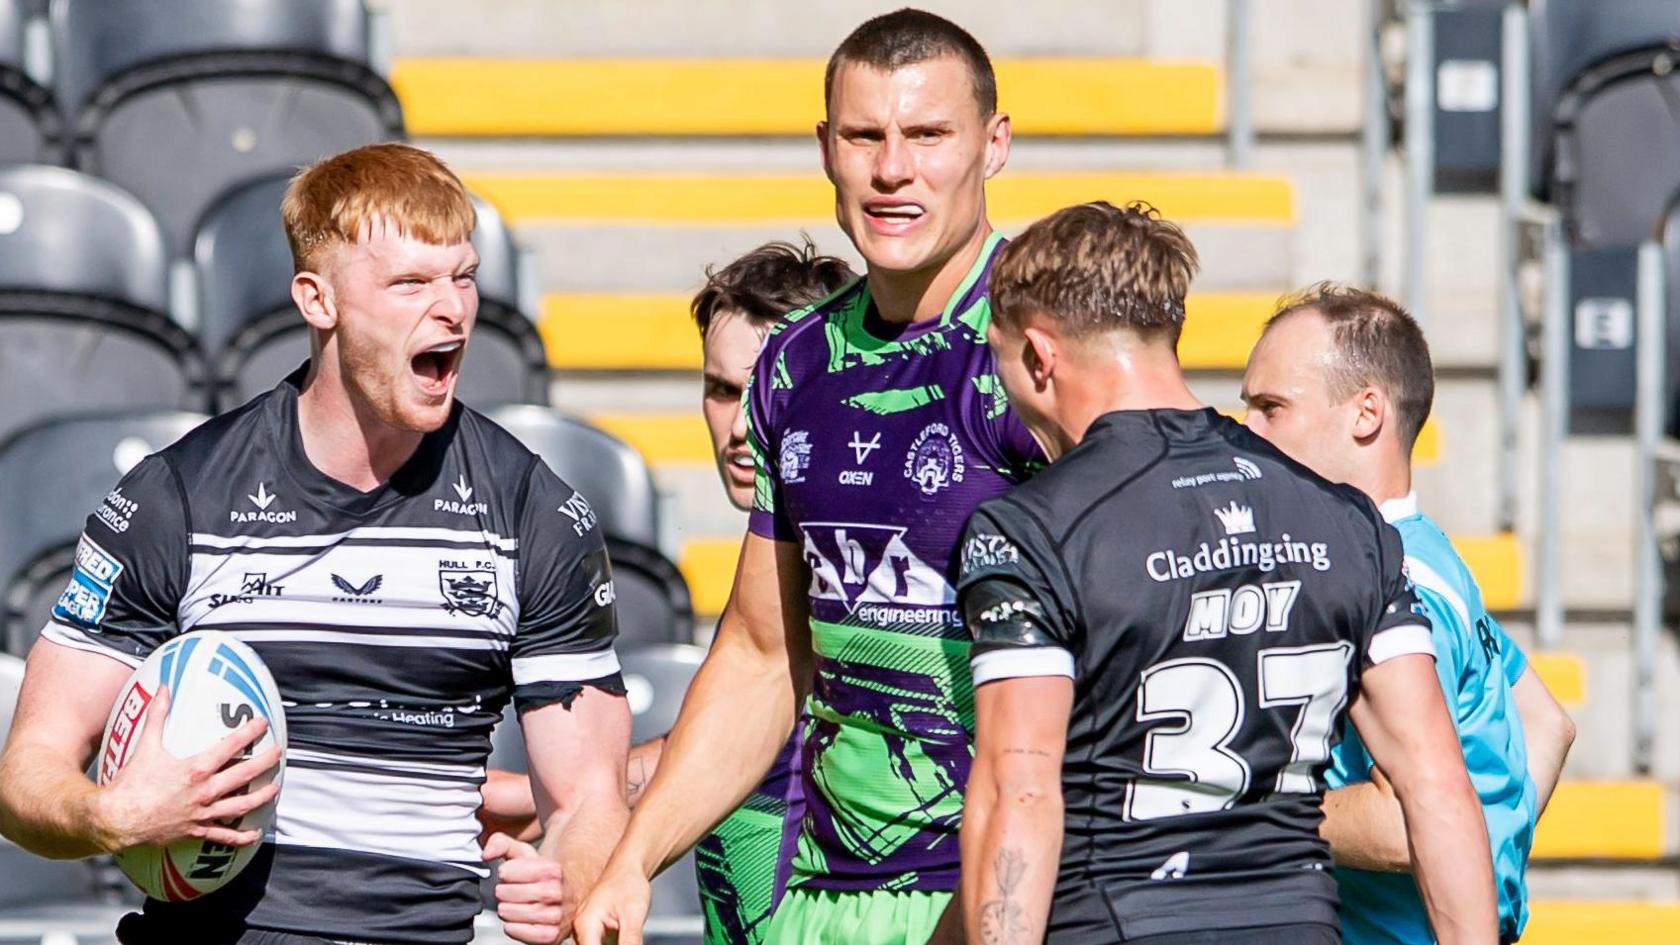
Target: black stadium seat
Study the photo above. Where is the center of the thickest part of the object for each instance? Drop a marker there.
(654, 605)
(31, 128)
(1570, 36)
(52, 477)
(255, 336)
(83, 289)
(181, 101)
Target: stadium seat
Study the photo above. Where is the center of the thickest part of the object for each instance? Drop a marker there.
(1568, 37)
(654, 605)
(52, 477)
(83, 292)
(255, 336)
(180, 101)
(31, 128)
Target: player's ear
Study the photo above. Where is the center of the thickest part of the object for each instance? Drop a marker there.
(1040, 355)
(1372, 409)
(998, 138)
(313, 295)
(822, 148)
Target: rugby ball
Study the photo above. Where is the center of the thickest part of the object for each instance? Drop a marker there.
(216, 684)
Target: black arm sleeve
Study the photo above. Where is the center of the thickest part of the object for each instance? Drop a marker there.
(566, 619)
(1014, 598)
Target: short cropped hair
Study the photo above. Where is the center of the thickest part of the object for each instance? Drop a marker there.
(768, 283)
(1095, 268)
(1377, 344)
(907, 37)
(330, 202)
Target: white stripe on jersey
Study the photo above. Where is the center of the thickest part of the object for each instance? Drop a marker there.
(391, 764)
(388, 815)
(1021, 662)
(1403, 640)
(1426, 577)
(382, 532)
(300, 635)
(564, 667)
(77, 639)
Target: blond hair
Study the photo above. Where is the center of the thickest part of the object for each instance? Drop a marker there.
(1097, 267)
(331, 202)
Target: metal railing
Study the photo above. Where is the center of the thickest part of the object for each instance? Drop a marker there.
(1650, 407)
(1239, 100)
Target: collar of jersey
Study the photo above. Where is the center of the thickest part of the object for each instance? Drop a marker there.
(960, 301)
(317, 487)
(1396, 509)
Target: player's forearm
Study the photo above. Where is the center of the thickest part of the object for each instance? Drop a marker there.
(741, 707)
(49, 807)
(1451, 860)
(582, 837)
(1366, 829)
(1011, 840)
(639, 770)
(1548, 733)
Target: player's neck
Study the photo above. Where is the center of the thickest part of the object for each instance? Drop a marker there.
(905, 297)
(1386, 480)
(344, 441)
(1133, 380)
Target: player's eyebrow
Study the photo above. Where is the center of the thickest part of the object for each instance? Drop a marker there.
(937, 125)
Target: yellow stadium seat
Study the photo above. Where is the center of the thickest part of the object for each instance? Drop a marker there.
(709, 566)
(612, 332)
(1588, 922)
(1604, 820)
(1496, 562)
(584, 97)
(1564, 674)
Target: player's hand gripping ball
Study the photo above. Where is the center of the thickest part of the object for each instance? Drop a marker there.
(216, 685)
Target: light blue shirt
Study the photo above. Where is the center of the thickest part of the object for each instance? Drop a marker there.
(1477, 665)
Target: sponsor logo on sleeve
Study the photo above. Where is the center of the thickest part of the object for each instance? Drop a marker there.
(988, 551)
(578, 510)
(935, 461)
(605, 594)
(117, 510)
(89, 591)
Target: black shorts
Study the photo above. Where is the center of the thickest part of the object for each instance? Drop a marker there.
(137, 929)
(1306, 933)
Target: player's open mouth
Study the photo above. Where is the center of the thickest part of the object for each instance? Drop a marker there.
(890, 216)
(434, 368)
(740, 467)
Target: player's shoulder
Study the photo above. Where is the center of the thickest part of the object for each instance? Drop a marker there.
(489, 441)
(1436, 568)
(1277, 472)
(215, 446)
(804, 328)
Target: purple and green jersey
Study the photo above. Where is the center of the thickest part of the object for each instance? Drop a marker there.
(874, 442)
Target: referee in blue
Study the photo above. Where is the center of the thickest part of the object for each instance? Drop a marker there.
(1342, 381)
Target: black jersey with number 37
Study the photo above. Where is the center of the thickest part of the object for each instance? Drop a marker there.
(1215, 604)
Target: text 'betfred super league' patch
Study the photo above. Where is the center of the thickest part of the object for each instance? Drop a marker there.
(83, 601)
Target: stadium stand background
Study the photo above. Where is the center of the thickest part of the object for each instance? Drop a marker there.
(625, 151)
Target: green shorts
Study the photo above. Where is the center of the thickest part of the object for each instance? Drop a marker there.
(737, 868)
(880, 917)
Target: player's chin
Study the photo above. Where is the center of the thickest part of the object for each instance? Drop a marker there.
(423, 414)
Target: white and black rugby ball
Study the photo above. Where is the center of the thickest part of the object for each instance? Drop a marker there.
(216, 684)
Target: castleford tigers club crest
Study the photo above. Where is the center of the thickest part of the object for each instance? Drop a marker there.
(468, 590)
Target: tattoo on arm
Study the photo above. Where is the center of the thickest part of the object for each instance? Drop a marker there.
(1027, 751)
(1001, 920)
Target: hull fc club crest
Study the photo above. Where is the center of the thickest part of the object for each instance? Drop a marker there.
(468, 590)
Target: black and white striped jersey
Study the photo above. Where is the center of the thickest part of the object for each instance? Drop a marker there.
(397, 624)
(1216, 605)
